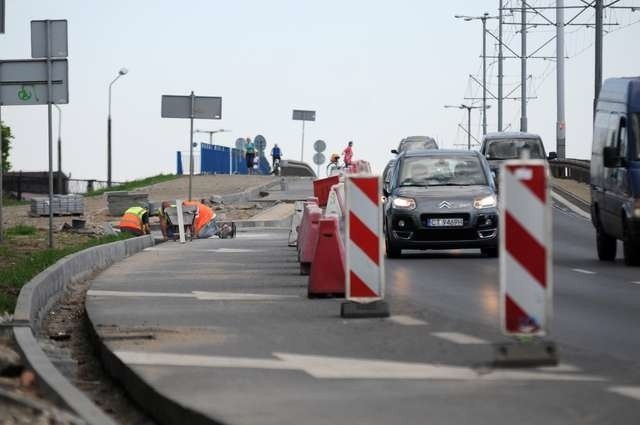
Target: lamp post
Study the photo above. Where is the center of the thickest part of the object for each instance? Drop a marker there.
(122, 72)
(468, 108)
(60, 191)
(482, 18)
(220, 130)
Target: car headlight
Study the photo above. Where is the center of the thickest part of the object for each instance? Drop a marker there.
(404, 203)
(485, 202)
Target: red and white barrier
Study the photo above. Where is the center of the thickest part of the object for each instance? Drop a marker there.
(365, 265)
(526, 278)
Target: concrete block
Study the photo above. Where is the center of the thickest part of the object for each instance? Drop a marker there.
(353, 310)
(525, 353)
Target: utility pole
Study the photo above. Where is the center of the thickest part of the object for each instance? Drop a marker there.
(468, 108)
(500, 65)
(523, 67)
(482, 18)
(560, 126)
(598, 71)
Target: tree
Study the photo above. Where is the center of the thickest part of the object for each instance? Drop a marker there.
(6, 147)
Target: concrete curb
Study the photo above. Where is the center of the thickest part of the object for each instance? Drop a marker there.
(250, 224)
(161, 408)
(248, 194)
(35, 300)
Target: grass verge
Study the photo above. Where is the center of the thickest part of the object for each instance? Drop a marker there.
(11, 202)
(18, 268)
(135, 184)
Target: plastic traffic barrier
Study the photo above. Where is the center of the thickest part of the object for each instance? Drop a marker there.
(322, 187)
(327, 277)
(296, 219)
(308, 247)
(304, 223)
(365, 265)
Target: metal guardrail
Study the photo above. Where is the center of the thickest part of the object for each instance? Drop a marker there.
(575, 169)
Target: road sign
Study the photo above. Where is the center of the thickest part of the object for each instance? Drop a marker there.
(320, 146)
(525, 248)
(204, 107)
(260, 142)
(39, 39)
(301, 115)
(24, 82)
(240, 142)
(318, 158)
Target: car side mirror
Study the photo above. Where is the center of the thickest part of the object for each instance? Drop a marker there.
(610, 157)
(552, 156)
(394, 151)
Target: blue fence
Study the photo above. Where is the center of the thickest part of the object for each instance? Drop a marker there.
(214, 159)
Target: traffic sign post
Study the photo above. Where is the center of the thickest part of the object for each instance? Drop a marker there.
(365, 262)
(191, 107)
(304, 116)
(526, 268)
(319, 146)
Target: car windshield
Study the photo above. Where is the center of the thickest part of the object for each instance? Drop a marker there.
(411, 145)
(511, 148)
(441, 171)
(635, 125)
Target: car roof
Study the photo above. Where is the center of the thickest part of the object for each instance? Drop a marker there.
(440, 152)
(511, 135)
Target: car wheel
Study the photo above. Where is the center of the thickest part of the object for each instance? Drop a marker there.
(392, 251)
(606, 246)
(631, 249)
(490, 252)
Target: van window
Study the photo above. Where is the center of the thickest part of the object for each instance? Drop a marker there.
(635, 133)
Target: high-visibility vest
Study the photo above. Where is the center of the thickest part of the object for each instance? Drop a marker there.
(203, 216)
(132, 218)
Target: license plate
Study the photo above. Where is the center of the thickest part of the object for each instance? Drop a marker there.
(445, 222)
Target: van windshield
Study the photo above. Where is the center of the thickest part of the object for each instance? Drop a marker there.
(511, 148)
(635, 125)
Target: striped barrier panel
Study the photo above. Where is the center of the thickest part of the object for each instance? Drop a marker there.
(526, 275)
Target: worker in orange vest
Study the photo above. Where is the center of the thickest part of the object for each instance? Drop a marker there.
(135, 221)
(204, 224)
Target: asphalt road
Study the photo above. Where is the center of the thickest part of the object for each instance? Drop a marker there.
(227, 331)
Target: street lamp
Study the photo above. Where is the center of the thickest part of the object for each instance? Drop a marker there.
(60, 191)
(468, 108)
(123, 71)
(221, 130)
(483, 18)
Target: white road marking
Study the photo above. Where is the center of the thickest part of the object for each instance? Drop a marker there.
(200, 295)
(562, 367)
(583, 271)
(180, 248)
(322, 367)
(458, 338)
(632, 392)
(407, 320)
(636, 283)
(569, 205)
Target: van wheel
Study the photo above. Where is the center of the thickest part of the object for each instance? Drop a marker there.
(631, 249)
(490, 252)
(606, 246)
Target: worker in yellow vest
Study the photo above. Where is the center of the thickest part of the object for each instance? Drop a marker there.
(135, 221)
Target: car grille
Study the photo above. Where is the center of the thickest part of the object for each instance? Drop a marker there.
(433, 235)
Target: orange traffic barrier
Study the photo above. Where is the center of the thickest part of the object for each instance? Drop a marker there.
(327, 277)
(322, 187)
(308, 248)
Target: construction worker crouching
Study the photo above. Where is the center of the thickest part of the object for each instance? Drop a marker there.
(135, 221)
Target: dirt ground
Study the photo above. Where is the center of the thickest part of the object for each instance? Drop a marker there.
(96, 212)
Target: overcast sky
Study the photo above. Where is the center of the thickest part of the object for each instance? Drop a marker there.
(375, 71)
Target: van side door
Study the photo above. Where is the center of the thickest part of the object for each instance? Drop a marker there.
(616, 182)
